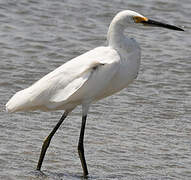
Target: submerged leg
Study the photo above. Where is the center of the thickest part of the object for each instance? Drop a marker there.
(81, 146)
(47, 141)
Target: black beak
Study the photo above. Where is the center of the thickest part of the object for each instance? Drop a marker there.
(159, 24)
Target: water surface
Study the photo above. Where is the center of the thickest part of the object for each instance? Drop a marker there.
(143, 132)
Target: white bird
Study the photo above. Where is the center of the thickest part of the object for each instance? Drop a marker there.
(87, 78)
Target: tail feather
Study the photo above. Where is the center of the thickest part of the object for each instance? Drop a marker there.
(19, 102)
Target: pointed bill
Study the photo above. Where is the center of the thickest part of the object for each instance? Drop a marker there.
(160, 24)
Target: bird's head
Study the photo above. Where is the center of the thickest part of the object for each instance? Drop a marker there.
(131, 17)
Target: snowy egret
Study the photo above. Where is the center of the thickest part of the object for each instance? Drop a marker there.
(87, 78)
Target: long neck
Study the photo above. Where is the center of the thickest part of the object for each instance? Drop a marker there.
(115, 35)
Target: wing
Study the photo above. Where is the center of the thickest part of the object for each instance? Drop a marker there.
(64, 81)
(95, 69)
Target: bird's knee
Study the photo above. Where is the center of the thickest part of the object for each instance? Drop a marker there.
(46, 143)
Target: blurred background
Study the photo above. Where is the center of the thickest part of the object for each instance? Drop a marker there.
(143, 132)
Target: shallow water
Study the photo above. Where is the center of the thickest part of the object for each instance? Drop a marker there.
(143, 132)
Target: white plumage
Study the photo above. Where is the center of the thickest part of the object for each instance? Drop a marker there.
(87, 78)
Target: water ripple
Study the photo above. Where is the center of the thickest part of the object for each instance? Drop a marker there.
(140, 133)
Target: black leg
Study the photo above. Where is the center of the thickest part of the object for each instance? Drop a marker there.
(81, 146)
(48, 139)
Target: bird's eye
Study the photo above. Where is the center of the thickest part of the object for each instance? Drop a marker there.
(135, 18)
